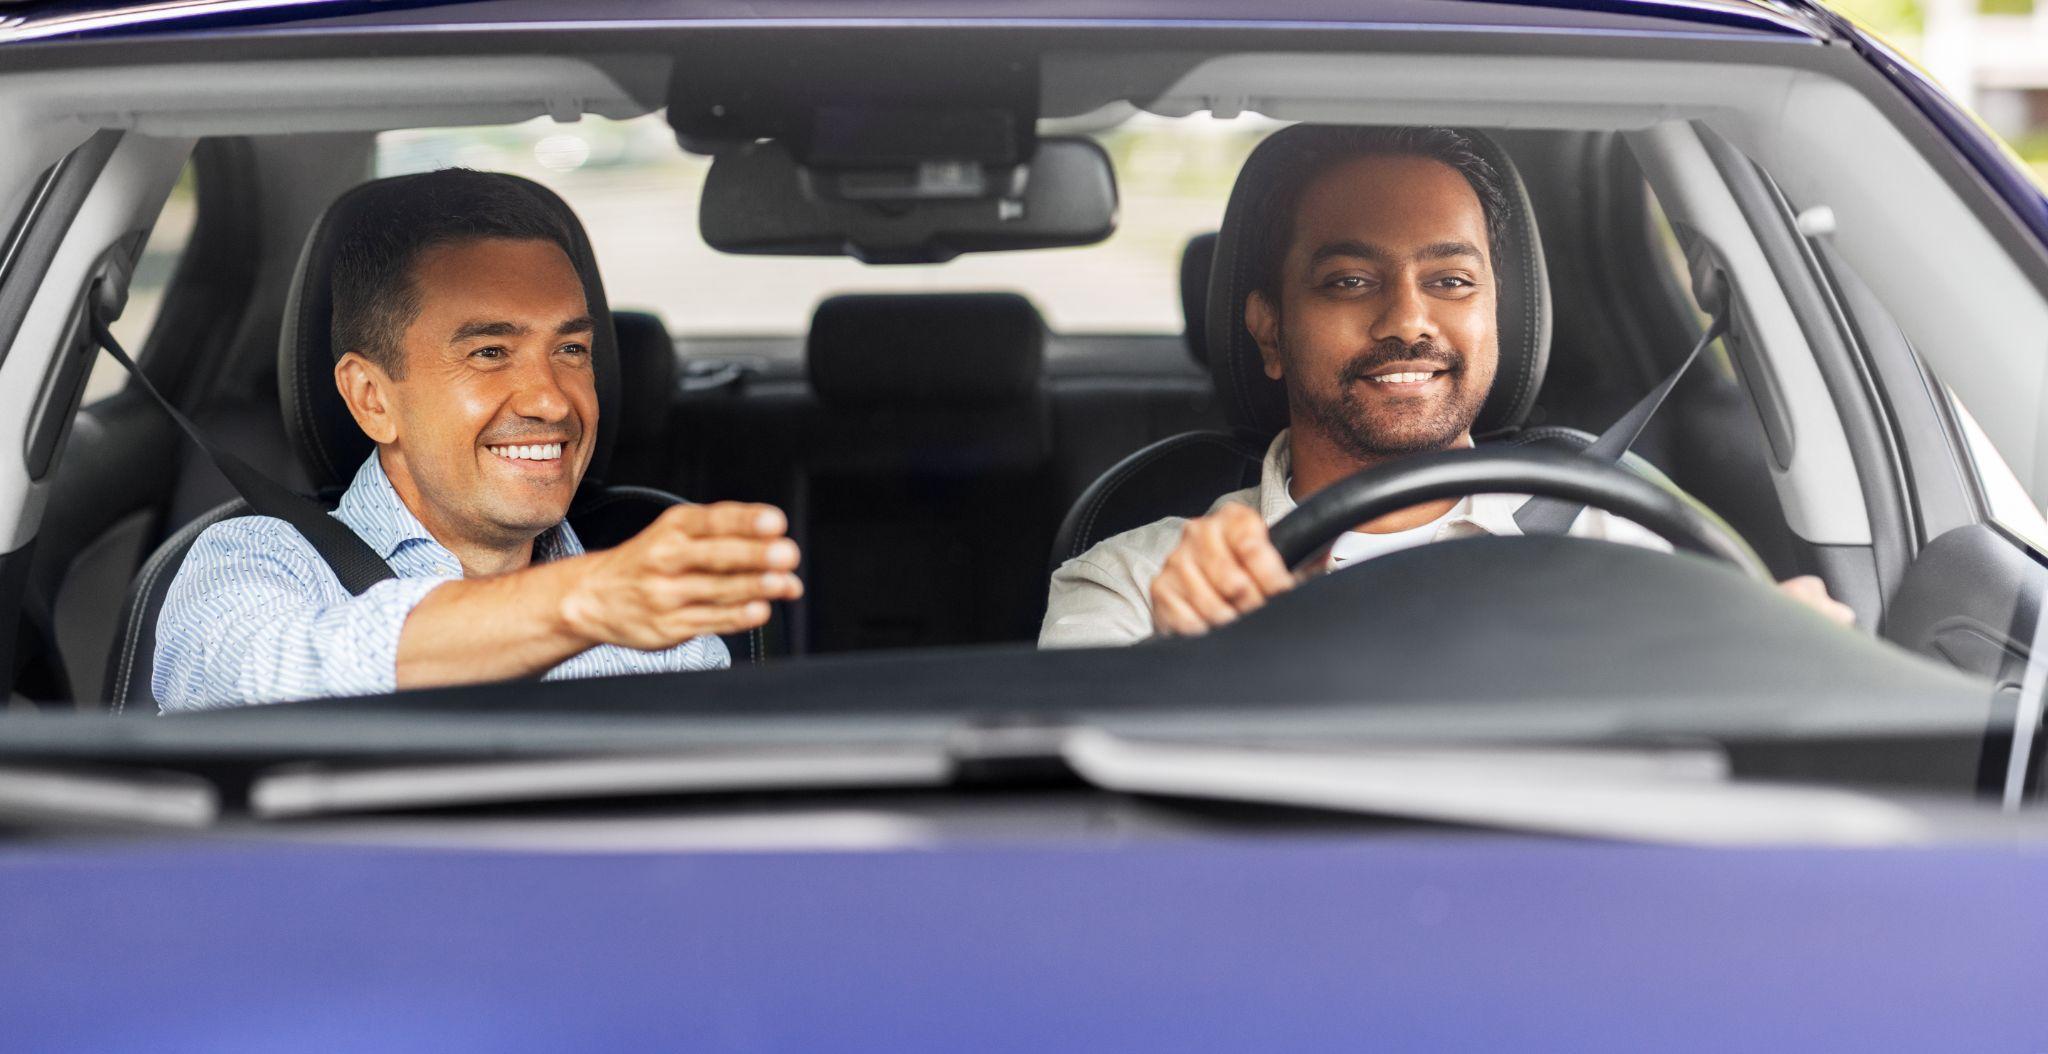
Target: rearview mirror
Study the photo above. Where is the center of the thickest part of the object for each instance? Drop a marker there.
(759, 200)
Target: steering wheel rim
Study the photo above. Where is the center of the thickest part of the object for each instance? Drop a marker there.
(1408, 481)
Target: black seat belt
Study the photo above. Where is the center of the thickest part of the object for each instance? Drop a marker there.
(352, 560)
(1713, 291)
(1540, 515)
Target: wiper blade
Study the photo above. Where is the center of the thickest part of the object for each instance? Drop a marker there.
(1675, 797)
(307, 790)
(153, 799)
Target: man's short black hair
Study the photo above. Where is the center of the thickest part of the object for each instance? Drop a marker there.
(375, 298)
(1311, 150)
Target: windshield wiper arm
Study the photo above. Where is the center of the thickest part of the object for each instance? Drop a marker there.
(155, 799)
(307, 790)
(1678, 797)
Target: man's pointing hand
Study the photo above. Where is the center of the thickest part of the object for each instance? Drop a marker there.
(696, 570)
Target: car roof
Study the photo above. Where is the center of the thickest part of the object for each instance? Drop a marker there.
(22, 20)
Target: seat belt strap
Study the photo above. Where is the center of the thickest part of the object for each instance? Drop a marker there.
(351, 559)
(1542, 515)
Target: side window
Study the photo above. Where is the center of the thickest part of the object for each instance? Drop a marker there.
(1676, 278)
(160, 255)
(2005, 499)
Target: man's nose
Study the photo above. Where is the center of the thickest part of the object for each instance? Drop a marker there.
(1404, 315)
(540, 395)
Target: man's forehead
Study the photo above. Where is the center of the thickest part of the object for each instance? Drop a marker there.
(1396, 201)
(532, 281)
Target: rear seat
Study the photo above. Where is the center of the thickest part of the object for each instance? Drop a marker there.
(925, 478)
(926, 451)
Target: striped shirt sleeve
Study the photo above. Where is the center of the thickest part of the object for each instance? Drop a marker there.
(256, 616)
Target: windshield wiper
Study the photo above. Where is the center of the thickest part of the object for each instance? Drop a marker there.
(306, 790)
(41, 795)
(1682, 796)
(1676, 796)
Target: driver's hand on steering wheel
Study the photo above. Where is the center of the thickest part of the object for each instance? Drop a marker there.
(1225, 566)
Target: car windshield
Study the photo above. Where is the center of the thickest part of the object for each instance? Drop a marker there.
(637, 194)
(1024, 407)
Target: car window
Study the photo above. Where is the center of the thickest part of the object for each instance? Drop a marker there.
(160, 255)
(1676, 281)
(637, 192)
(2005, 497)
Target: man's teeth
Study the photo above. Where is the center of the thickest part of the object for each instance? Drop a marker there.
(1402, 378)
(529, 451)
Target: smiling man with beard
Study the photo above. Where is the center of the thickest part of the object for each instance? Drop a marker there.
(464, 346)
(1375, 307)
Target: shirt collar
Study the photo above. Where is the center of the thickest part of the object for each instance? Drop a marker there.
(1492, 513)
(372, 508)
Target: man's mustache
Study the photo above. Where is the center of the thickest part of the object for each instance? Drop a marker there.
(566, 432)
(1390, 351)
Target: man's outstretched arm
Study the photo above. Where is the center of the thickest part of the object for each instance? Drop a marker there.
(696, 570)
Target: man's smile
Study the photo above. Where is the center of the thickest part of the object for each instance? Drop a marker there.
(544, 461)
(1405, 376)
(529, 451)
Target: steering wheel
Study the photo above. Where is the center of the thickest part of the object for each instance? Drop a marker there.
(1408, 481)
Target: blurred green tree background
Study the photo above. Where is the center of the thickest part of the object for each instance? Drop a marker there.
(1991, 54)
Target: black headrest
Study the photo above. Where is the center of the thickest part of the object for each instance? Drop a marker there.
(1258, 403)
(1195, 262)
(953, 349)
(316, 420)
(647, 375)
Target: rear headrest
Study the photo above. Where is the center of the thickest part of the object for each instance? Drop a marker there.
(1258, 403)
(316, 420)
(1195, 262)
(951, 349)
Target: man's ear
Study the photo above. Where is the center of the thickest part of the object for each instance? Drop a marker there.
(366, 388)
(1264, 323)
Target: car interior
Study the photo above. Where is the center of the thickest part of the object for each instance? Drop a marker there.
(941, 436)
(928, 446)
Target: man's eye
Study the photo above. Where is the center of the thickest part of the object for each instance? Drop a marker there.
(492, 351)
(1455, 282)
(575, 349)
(1347, 281)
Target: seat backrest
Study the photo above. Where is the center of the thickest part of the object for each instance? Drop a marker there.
(133, 657)
(1197, 259)
(1190, 471)
(330, 447)
(647, 387)
(925, 470)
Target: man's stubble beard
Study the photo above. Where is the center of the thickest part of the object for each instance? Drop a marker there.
(1345, 421)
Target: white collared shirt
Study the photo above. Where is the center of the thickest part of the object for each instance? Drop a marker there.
(1103, 597)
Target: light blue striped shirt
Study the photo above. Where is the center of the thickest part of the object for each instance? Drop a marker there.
(256, 616)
